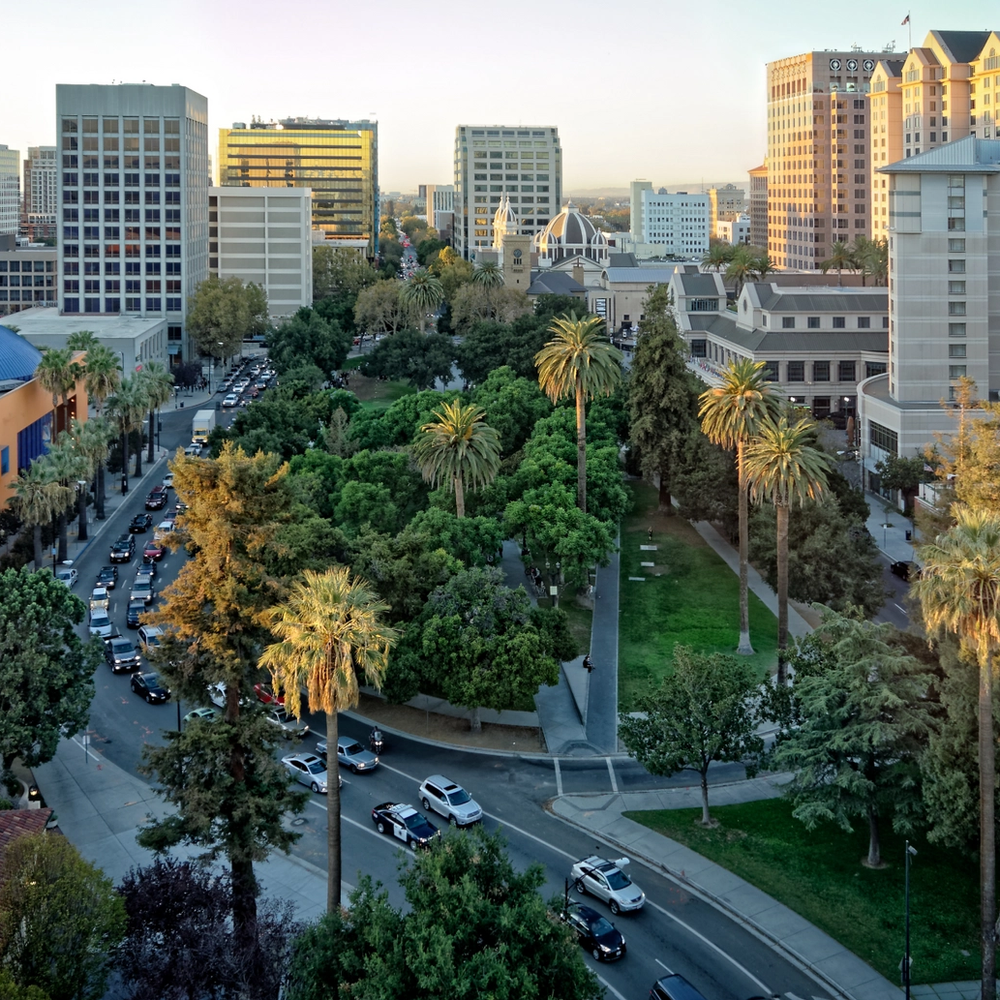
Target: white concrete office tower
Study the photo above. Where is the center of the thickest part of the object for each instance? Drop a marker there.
(525, 163)
(134, 196)
(10, 191)
(944, 300)
(636, 191)
(41, 184)
(264, 236)
(678, 222)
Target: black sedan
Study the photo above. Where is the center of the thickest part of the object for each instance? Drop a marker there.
(136, 609)
(149, 687)
(123, 549)
(595, 933)
(141, 522)
(404, 823)
(108, 577)
(905, 570)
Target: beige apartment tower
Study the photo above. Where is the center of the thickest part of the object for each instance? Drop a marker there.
(818, 175)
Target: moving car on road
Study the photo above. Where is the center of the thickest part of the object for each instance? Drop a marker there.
(203, 715)
(450, 800)
(231, 400)
(905, 570)
(136, 609)
(154, 550)
(309, 770)
(121, 655)
(108, 577)
(149, 687)
(142, 589)
(607, 881)
(156, 499)
(140, 523)
(149, 637)
(99, 599)
(351, 754)
(595, 933)
(67, 575)
(673, 987)
(404, 823)
(267, 697)
(123, 549)
(100, 624)
(289, 725)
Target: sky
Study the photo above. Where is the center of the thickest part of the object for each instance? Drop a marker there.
(672, 93)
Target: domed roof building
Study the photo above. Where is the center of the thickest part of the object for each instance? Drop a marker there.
(18, 358)
(504, 223)
(569, 235)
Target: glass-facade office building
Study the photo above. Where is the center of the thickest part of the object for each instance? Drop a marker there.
(337, 160)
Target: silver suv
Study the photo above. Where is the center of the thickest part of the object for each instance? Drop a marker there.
(450, 800)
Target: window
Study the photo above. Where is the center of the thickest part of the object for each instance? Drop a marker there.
(956, 350)
(770, 371)
(956, 308)
(812, 323)
(874, 368)
(796, 371)
(956, 330)
(956, 371)
(882, 437)
(956, 266)
(839, 323)
(864, 322)
(956, 246)
(821, 371)
(956, 287)
(846, 371)
(787, 322)
(4, 461)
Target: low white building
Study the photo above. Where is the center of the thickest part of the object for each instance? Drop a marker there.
(734, 231)
(678, 222)
(264, 235)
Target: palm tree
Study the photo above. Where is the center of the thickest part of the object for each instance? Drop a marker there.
(330, 630)
(37, 498)
(82, 340)
(762, 266)
(730, 415)
(783, 466)
(66, 466)
(128, 410)
(58, 374)
(959, 592)
(90, 439)
(423, 293)
(458, 449)
(840, 257)
(719, 254)
(579, 361)
(742, 268)
(489, 274)
(158, 384)
(102, 378)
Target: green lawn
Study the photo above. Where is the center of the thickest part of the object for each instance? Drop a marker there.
(580, 622)
(690, 596)
(819, 875)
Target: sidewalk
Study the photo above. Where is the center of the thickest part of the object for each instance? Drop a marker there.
(889, 529)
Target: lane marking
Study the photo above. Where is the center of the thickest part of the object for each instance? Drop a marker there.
(608, 986)
(559, 790)
(903, 610)
(611, 772)
(667, 967)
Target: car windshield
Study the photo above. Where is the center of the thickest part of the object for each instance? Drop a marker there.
(600, 927)
(459, 798)
(352, 749)
(99, 618)
(316, 767)
(617, 879)
(123, 646)
(415, 821)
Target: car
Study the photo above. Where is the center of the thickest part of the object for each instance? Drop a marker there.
(905, 570)
(156, 498)
(162, 529)
(450, 800)
(310, 770)
(67, 575)
(142, 588)
(140, 523)
(148, 686)
(146, 569)
(121, 655)
(168, 480)
(289, 725)
(193, 450)
(404, 823)
(100, 624)
(607, 881)
(260, 384)
(350, 753)
(673, 987)
(108, 577)
(154, 549)
(231, 400)
(99, 599)
(123, 549)
(149, 637)
(595, 933)
(203, 715)
(136, 609)
(267, 696)
(217, 695)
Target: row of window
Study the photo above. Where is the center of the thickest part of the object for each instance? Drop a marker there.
(130, 126)
(133, 215)
(112, 268)
(15, 266)
(27, 281)
(129, 180)
(114, 305)
(838, 322)
(92, 286)
(93, 251)
(14, 295)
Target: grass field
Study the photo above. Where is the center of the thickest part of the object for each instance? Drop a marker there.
(375, 395)
(690, 596)
(819, 875)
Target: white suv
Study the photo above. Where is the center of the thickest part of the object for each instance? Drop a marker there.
(450, 800)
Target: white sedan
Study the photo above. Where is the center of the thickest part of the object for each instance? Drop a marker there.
(67, 575)
(607, 881)
(310, 770)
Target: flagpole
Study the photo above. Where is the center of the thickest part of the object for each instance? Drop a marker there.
(909, 32)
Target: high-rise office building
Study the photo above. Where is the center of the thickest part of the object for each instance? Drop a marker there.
(818, 175)
(936, 93)
(336, 159)
(525, 163)
(677, 222)
(41, 182)
(134, 194)
(758, 205)
(725, 204)
(10, 191)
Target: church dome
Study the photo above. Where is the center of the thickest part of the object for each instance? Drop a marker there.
(18, 359)
(571, 234)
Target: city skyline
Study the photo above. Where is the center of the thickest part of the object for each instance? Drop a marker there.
(669, 94)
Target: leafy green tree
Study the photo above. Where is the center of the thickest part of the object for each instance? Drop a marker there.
(579, 362)
(782, 467)
(428, 250)
(330, 630)
(423, 293)
(419, 359)
(707, 710)
(744, 265)
(46, 671)
(452, 270)
(719, 254)
(471, 540)
(91, 443)
(871, 258)
(337, 272)
(9, 990)
(380, 310)
(903, 474)
(861, 719)
(474, 302)
(662, 394)
(512, 406)
(37, 499)
(458, 449)
(82, 340)
(307, 338)
(474, 926)
(731, 414)
(706, 486)
(59, 918)
(222, 310)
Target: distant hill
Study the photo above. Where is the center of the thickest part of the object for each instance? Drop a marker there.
(623, 192)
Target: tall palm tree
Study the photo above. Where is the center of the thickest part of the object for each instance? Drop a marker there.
(58, 374)
(458, 448)
(719, 255)
(82, 340)
(840, 257)
(489, 274)
(159, 386)
(731, 414)
(67, 467)
(423, 293)
(959, 592)
(330, 631)
(128, 410)
(762, 266)
(102, 377)
(90, 439)
(37, 498)
(579, 361)
(782, 466)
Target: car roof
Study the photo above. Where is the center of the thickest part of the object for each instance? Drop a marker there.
(345, 741)
(587, 912)
(306, 758)
(678, 988)
(446, 784)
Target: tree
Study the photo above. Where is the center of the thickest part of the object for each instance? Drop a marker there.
(427, 251)
(59, 917)
(579, 362)
(742, 267)
(782, 466)
(67, 466)
(307, 338)
(102, 376)
(37, 500)
(157, 385)
(719, 254)
(330, 631)
(380, 310)
(91, 442)
(9, 990)
(903, 474)
(473, 302)
(861, 716)
(840, 257)
(340, 272)
(959, 592)
(459, 449)
(731, 414)
(512, 406)
(662, 398)
(419, 359)
(58, 374)
(706, 710)
(128, 409)
(423, 293)
(871, 258)
(82, 340)
(474, 926)
(178, 938)
(489, 274)
(46, 670)
(222, 310)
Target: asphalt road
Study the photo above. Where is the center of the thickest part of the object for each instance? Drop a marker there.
(895, 609)
(676, 931)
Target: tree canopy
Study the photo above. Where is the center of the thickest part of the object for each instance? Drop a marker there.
(222, 312)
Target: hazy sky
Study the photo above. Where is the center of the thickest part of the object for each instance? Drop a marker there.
(670, 92)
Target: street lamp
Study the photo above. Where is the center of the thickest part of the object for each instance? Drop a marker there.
(81, 493)
(906, 956)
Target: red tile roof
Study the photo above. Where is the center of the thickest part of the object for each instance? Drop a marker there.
(16, 823)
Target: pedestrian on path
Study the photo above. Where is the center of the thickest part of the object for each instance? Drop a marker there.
(588, 664)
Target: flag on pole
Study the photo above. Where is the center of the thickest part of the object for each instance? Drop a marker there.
(906, 20)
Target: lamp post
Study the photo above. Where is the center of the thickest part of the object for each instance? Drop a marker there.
(81, 492)
(906, 956)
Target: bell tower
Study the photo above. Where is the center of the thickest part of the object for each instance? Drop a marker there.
(517, 261)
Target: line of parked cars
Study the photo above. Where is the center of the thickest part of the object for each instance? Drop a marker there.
(246, 382)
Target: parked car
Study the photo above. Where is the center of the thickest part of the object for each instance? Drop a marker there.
(148, 686)
(99, 599)
(156, 499)
(108, 577)
(289, 725)
(310, 770)
(100, 624)
(350, 753)
(136, 609)
(450, 800)
(905, 570)
(607, 881)
(673, 987)
(121, 655)
(142, 589)
(154, 550)
(123, 549)
(149, 637)
(267, 696)
(67, 575)
(595, 933)
(203, 715)
(141, 523)
(404, 823)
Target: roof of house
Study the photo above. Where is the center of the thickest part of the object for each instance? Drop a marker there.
(549, 281)
(639, 275)
(962, 46)
(764, 341)
(697, 284)
(18, 358)
(845, 300)
(16, 823)
(623, 260)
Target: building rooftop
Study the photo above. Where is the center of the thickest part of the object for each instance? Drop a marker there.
(847, 300)
(763, 341)
(641, 275)
(968, 155)
(18, 358)
(962, 46)
(697, 284)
